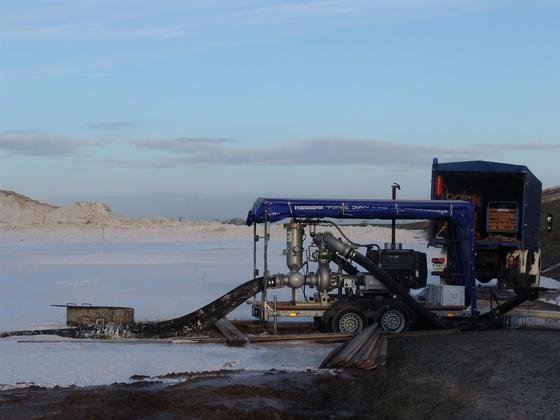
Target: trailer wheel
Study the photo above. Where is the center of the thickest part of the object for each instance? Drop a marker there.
(349, 320)
(393, 318)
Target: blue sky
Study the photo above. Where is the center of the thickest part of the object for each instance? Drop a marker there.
(323, 98)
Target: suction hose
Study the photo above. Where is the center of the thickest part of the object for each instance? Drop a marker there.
(346, 251)
(202, 318)
(188, 324)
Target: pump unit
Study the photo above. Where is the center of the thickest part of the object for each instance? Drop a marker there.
(407, 266)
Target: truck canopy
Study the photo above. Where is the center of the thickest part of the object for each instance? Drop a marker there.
(494, 181)
(481, 166)
(458, 214)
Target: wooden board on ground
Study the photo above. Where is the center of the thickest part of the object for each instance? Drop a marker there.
(425, 333)
(266, 338)
(365, 350)
(234, 337)
(382, 357)
(101, 340)
(313, 337)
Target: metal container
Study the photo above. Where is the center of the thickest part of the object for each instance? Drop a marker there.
(445, 295)
(95, 315)
(294, 249)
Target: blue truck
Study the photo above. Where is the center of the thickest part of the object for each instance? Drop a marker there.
(507, 200)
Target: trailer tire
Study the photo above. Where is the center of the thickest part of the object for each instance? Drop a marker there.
(349, 320)
(393, 318)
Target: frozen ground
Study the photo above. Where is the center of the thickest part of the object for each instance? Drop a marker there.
(159, 277)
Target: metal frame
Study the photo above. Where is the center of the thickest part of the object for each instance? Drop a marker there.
(264, 310)
(266, 238)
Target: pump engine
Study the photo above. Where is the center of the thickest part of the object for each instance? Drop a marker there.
(407, 266)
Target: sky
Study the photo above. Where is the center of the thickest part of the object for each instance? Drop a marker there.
(122, 100)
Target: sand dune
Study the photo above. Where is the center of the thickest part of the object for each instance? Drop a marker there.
(25, 219)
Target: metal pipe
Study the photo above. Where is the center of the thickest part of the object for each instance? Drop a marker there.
(255, 239)
(266, 238)
(394, 189)
(294, 245)
(275, 315)
(265, 258)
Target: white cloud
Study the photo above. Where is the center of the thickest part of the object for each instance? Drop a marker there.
(183, 144)
(133, 19)
(321, 151)
(133, 31)
(202, 151)
(31, 143)
(331, 151)
(529, 147)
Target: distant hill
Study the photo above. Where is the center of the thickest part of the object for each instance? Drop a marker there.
(551, 194)
(19, 210)
(187, 206)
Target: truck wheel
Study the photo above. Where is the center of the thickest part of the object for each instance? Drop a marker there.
(393, 319)
(349, 320)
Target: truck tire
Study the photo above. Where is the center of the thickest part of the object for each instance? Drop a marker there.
(349, 320)
(393, 318)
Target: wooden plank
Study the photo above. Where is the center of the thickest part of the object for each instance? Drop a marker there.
(336, 358)
(382, 357)
(327, 360)
(262, 326)
(199, 340)
(343, 356)
(314, 337)
(424, 333)
(355, 349)
(550, 268)
(265, 338)
(234, 337)
(350, 348)
(370, 353)
(367, 349)
(102, 340)
(371, 361)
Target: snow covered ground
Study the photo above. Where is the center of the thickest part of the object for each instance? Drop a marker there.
(161, 273)
(159, 279)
